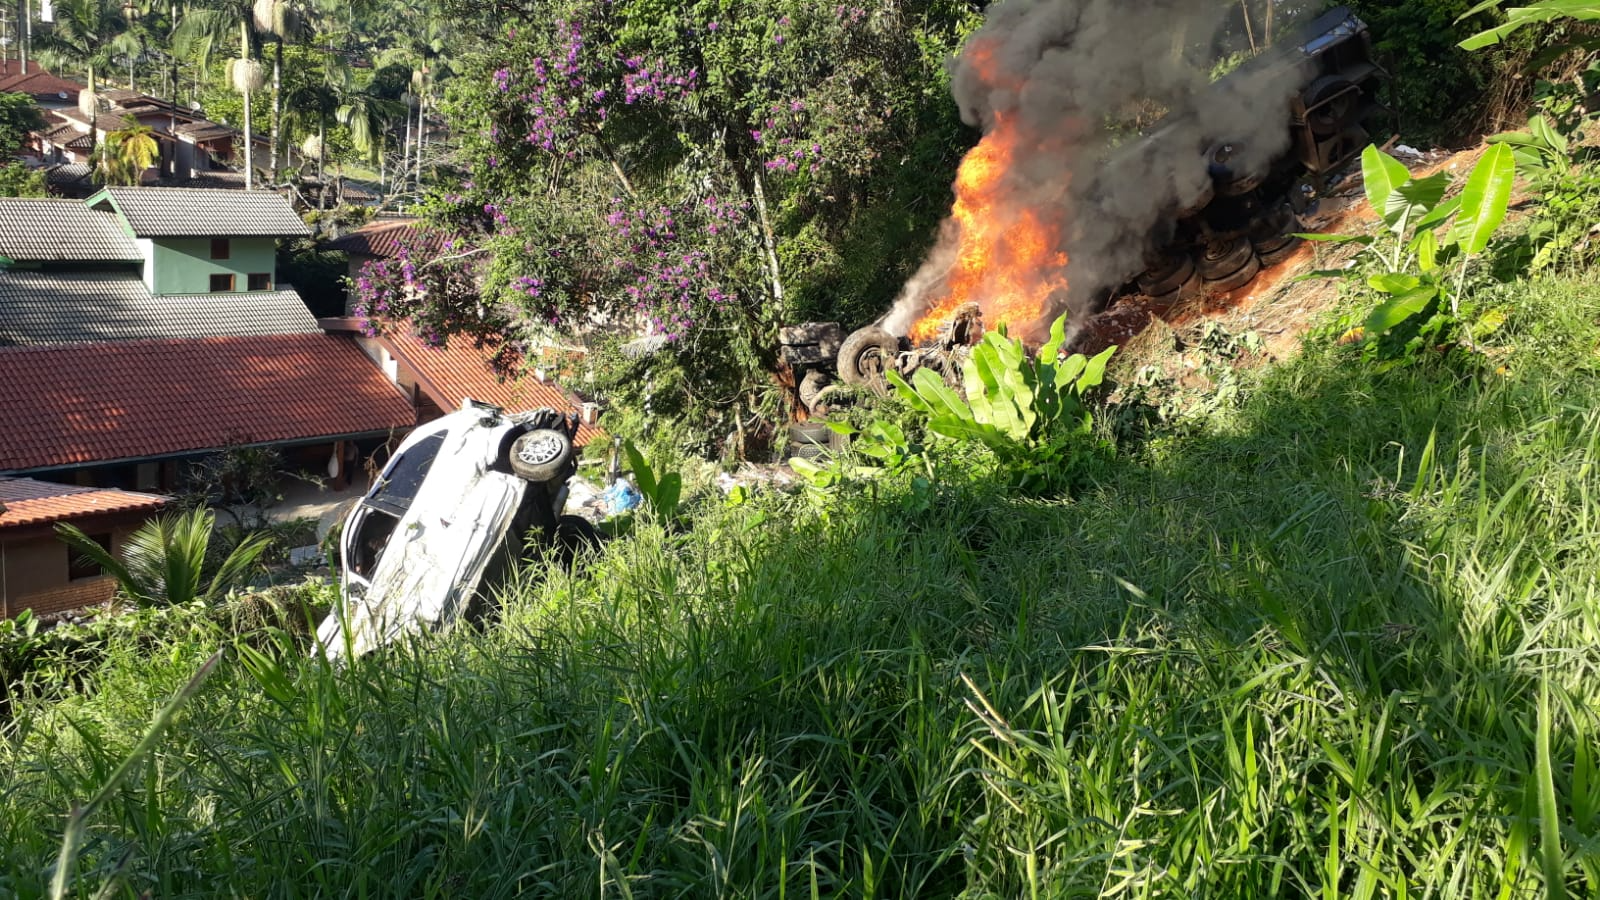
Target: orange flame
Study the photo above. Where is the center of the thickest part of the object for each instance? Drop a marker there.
(1008, 260)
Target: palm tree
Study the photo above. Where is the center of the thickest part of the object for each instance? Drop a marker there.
(282, 21)
(204, 28)
(164, 561)
(129, 152)
(88, 34)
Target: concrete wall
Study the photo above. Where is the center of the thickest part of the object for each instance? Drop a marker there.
(185, 266)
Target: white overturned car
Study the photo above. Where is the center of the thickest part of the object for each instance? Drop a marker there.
(445, 518)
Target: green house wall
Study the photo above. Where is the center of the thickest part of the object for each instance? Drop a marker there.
(185, 266)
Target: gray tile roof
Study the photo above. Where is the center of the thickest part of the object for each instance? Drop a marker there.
(45, 230)
(75, 307)
(205, 212)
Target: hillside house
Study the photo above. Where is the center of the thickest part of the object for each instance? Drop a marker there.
(438, 378)
(144, 327)
(192, 147)
(40, 573)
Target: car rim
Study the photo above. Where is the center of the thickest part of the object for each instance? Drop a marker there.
(541, 449)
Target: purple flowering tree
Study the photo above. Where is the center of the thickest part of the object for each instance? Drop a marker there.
(699, 171)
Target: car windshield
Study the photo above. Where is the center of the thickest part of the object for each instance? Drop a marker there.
(405, 476)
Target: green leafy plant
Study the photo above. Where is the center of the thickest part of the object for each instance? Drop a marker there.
(1028, 411)
(1423, 304)
(164, 561)
(1560, 228)
(1518, 17)
(660, 490)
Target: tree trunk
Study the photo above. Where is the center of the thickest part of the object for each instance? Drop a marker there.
(1250, 32)
(322, 158)
(94, 123)
(277, 111)
(767, 241)
(249, 138)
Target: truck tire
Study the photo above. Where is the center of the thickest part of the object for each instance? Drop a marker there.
(1167, 275)
(812, 385)
(1188, 290)
(1228, 180)
(866, 355)
(1336, 114)
(1238, 278)
(540, 455)
(810, 440)
(1277, 250)
(1222, 258)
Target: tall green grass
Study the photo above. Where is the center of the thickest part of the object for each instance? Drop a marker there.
(1340, 641)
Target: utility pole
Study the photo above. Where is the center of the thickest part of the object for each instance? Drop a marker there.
(27, 32)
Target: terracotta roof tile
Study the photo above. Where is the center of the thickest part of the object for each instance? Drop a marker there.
(74, 404)
(36, 81)
(382, 239)
(25, 502)
(458, 370)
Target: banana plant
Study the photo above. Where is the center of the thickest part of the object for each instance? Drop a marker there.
(1413, 253)
(1028, 410)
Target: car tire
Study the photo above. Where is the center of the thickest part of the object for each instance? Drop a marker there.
(866, 355)
(575, 536)
(812, 386)
(540, 455)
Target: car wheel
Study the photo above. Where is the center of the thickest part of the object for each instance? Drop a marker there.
(576, 536)
(540, 455)
(866, 355)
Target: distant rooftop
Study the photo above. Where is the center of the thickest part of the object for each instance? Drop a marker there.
(202, 212)
(36, 81)
(72, 404)
(74, 307)
(49, 230)
(25, 502)
(383, 238)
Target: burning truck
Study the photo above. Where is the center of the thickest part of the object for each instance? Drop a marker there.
(1199, 202)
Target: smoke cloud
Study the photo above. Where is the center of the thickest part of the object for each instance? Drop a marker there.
(1049, 78)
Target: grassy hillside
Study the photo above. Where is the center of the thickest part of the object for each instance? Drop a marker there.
(1334, 637)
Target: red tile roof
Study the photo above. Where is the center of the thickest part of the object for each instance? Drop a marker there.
(382, 239)
(35, 81)
(458, 370)
(26, 502)
(76, 404)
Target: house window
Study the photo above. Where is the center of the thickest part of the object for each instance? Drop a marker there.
(219, 248)
(80, 566)
(260, 281)
(221, 283)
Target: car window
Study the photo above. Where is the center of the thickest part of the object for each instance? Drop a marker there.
(371, 537)
(405, 477)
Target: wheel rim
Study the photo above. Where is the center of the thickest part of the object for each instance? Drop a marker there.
(870, 363)
(540, 449)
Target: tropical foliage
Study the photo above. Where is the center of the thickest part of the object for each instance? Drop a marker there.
(163, 563)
